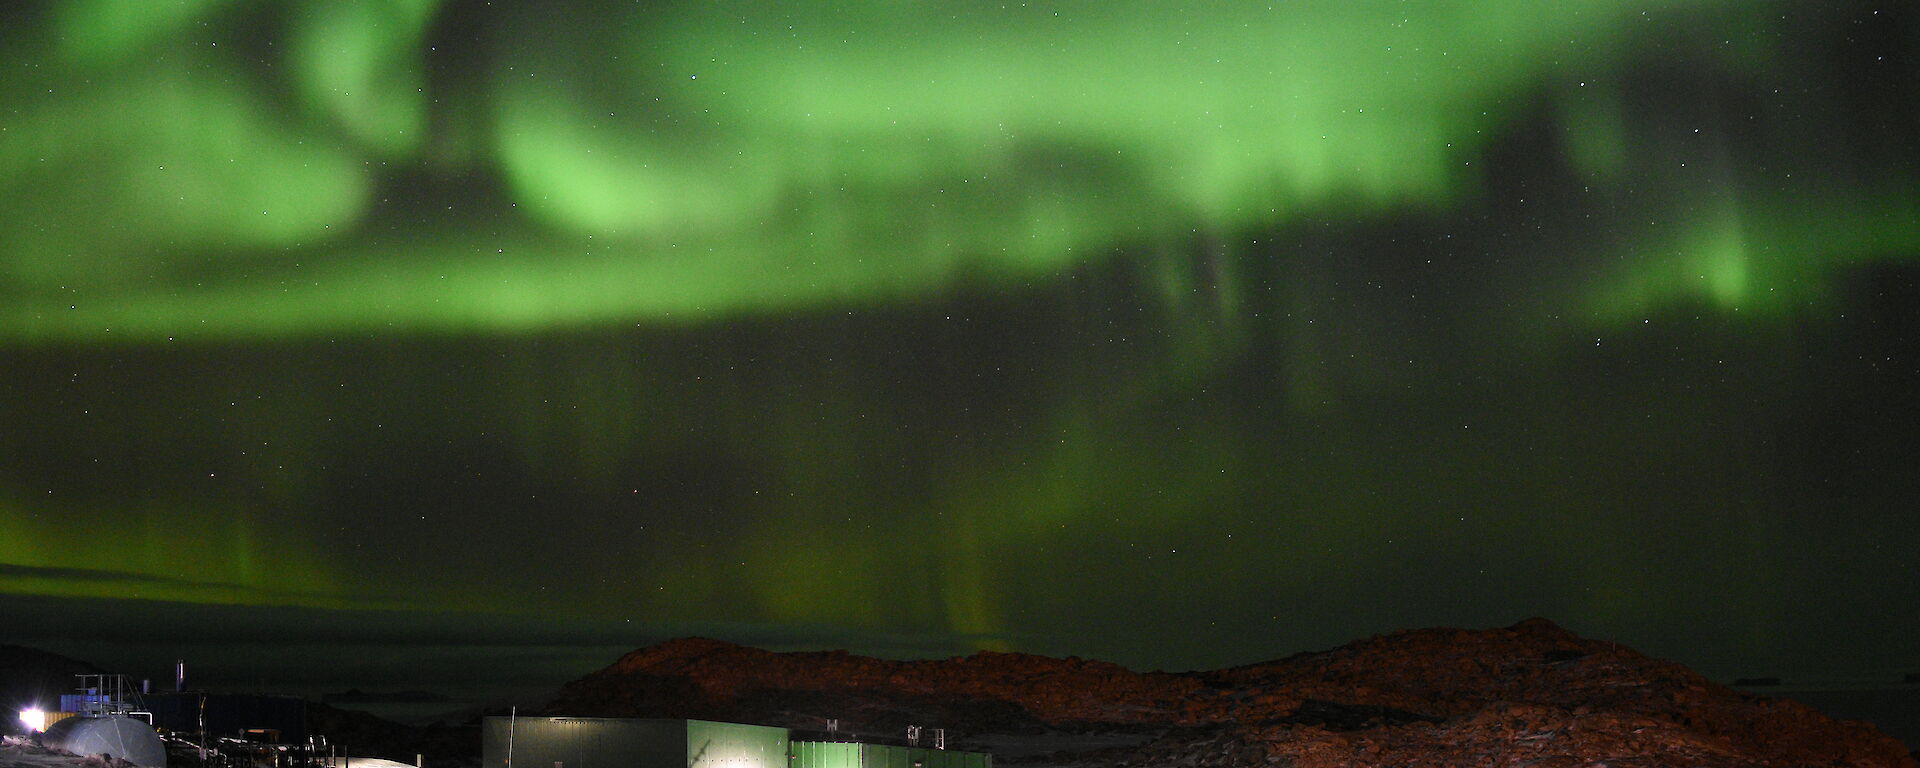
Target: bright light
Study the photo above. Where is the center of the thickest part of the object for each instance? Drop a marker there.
(34, 719)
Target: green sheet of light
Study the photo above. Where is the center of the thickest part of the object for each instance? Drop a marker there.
(265, 176)
(360, 63)
(715, 159)
(1763, 258)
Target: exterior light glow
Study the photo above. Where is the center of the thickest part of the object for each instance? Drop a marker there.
(34, 719)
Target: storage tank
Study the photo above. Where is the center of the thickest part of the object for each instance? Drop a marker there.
(115, 736)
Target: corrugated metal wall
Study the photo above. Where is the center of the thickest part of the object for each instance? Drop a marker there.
(732, 745)
(830, 754)
(592, 742)
(583, 742)
(825, 754)
(884, 756)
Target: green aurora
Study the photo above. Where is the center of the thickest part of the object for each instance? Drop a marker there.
(1041, 325)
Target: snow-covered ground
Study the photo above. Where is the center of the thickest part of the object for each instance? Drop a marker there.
(362, 762)
(16, 752)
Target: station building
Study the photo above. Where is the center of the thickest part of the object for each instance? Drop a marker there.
(617, 742)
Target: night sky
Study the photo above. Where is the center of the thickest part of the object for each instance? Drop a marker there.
(465, 345)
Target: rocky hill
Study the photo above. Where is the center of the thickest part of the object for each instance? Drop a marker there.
(1530, 694)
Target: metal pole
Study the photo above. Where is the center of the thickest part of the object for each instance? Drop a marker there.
(513, 716)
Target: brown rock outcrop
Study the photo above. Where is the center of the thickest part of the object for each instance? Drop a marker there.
(1530, 694)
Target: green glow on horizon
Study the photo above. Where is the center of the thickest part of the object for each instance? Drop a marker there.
(159, 554)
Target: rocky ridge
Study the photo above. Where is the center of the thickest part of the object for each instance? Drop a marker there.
(1530, 694)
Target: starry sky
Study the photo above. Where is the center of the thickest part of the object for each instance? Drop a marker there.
(464, 345)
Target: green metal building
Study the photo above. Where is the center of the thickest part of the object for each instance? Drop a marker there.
(841, 754)
(617, 742)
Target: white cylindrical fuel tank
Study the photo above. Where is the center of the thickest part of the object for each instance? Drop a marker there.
(122, 737)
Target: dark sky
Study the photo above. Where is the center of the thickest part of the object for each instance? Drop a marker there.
(434, 344)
